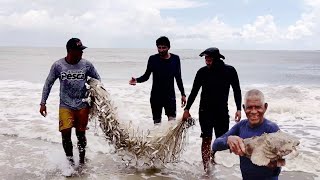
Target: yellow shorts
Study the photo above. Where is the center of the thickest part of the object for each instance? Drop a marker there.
(69, 118)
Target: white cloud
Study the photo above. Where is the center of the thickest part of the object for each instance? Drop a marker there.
(108, 23)
(313, 3)
(262, 30)
(116, 18)
(300, 29)
(170, 4)
(212, 29)
(309, 23)
(245, 1)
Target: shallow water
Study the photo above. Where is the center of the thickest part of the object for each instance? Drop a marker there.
(31, 147)
(39, 159)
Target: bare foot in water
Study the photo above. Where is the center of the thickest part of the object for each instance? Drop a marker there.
(207, 173)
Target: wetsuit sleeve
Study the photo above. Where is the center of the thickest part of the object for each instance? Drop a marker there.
(220, 143)
(147, 74)
(194, 91)
(179, 79)
(53, 75)
(92, 72)
(236, 88)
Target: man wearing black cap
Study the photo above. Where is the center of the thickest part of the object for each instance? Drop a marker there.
(72, 72)
(215, 79)
(165, 67)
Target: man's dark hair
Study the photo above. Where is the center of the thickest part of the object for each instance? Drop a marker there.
(163, 40)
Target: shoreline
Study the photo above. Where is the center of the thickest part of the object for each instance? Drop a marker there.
(23, 158)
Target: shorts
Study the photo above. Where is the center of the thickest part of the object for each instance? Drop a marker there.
(209, 121)
(169, 106)
(69, 118)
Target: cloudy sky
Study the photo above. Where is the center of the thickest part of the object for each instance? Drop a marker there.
(191, 24)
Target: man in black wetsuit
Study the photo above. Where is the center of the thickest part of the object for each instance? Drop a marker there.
(215, 79)
(164, 67)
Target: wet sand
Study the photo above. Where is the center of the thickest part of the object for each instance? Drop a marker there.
(22, 158)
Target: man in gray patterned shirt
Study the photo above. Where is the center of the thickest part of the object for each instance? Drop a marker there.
(72, 72)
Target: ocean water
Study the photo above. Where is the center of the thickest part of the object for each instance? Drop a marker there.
(31, 147)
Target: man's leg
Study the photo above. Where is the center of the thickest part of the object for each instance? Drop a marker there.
(67, 144)
(81, 126)
(66, 119)
(206, 125)
(220, 129)
(205, 152)
(170, 109)
(82, 143)
(156, 109)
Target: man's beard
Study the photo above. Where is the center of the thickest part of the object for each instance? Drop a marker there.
(77, 59)
(163, 53)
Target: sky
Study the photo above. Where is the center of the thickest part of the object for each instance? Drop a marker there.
(189, 24)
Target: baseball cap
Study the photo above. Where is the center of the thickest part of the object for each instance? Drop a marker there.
(75, 43)
(212, 52)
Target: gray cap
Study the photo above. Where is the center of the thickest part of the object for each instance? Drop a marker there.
(212, 52)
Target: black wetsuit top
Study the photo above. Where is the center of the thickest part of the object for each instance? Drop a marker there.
(215, 83)
(163, 73)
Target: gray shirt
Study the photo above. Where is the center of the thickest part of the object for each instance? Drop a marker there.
(72, 82)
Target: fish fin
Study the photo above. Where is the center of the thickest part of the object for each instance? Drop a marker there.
(258, 157)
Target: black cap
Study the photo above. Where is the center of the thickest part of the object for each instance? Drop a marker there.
(75, 43)
(212, 52)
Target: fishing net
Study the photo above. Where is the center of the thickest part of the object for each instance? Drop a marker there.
(139, 147)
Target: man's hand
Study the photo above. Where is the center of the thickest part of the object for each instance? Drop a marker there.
(43, 110)
(183, 101)
(278, 163)
(236, 145)
(237, 117)
(186, 115)
(133, 81)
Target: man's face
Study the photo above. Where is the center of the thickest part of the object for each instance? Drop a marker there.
(255, 110)
(76, 55)
(163, 50)
(208, 60)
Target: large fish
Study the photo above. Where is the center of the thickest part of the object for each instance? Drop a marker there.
(270, 147)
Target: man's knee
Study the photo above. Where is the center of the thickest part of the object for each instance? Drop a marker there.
(206, 139)
(221, 129)
(170, 111)
(206, 132)
(66, 133)
(81, 135)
